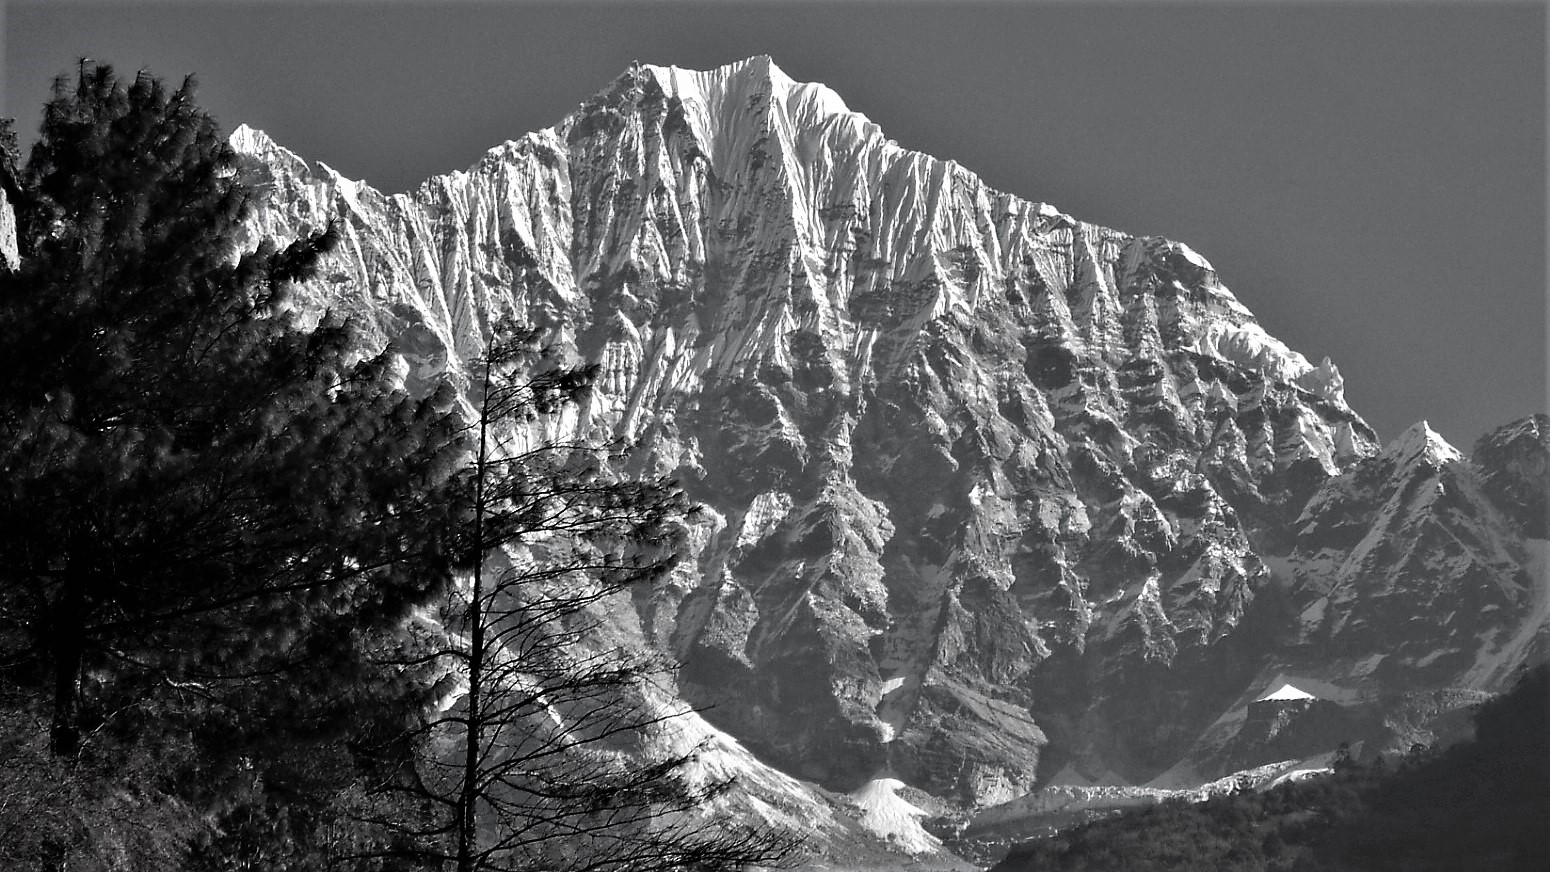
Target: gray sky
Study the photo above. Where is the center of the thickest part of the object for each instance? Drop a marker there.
(1368, 178)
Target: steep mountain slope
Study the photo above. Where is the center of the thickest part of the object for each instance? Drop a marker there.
(1515, 467)
(1415, 587)
(1403, 546)
(986, 483)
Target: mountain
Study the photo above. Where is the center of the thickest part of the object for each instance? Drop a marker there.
(1515, 464)
(992, 494)
(1407, 554)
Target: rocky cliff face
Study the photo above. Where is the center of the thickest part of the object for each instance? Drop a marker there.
(1514, 465)
(987, 484)
(1416, 582)
(1405, 566)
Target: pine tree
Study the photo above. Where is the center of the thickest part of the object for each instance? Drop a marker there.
(210, 513)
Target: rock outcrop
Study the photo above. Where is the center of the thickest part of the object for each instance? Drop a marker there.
(1406, 569)
(1514, 465)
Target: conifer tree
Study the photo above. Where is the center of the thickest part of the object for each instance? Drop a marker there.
(210, 512)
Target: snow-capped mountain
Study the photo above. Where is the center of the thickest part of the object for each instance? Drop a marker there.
(1404, 565)
(992, 491)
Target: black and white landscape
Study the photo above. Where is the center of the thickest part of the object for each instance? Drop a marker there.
(1005, 519)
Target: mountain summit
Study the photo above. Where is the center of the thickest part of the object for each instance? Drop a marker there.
(991, 491)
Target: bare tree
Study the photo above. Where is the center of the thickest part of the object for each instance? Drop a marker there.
(552, 758)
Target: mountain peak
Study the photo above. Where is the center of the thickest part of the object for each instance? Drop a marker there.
(1534, 427)
(1420, 443)
(748, 76)
(250, 140)
(720, 102)
(1514, 462)
(757, 68)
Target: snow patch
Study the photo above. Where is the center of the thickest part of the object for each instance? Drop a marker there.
(1249, 346)
(1286, 691)
(1298, 775)
(9, 256)
(892, 817)
(1313, 615)
(1316, 688)
(893, 706)
(767, 511)
(1193, 256)
(767, 794)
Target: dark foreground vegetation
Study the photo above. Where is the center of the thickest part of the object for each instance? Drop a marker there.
(260, 608)
(1480, 805)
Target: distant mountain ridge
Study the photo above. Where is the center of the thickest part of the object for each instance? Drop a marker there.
(1480, 804)
(991, 492)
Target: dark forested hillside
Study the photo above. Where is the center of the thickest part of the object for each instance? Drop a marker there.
(1480, 805)
(215, 515)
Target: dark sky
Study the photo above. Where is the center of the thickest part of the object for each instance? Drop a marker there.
(1369, 179)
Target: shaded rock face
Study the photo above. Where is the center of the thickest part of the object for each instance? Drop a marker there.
(1297, 729)
(1408, 575)
(984, 481)
(1514, 465)
(1416, 584)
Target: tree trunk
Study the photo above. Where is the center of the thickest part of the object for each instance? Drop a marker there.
(67, 630)
(468, 801)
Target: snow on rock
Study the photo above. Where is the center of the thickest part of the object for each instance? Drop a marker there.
(892, 817)
(1514, 466)
(1420, 444)
(765, 514)
(1247, 344)
(762, 794)
(9, 258)
(1300, 773)
(1286, 692)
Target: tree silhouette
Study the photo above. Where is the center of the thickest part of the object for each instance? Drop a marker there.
(210, 512)
(548, 760)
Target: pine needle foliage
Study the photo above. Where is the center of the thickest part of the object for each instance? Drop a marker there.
(211, 510)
